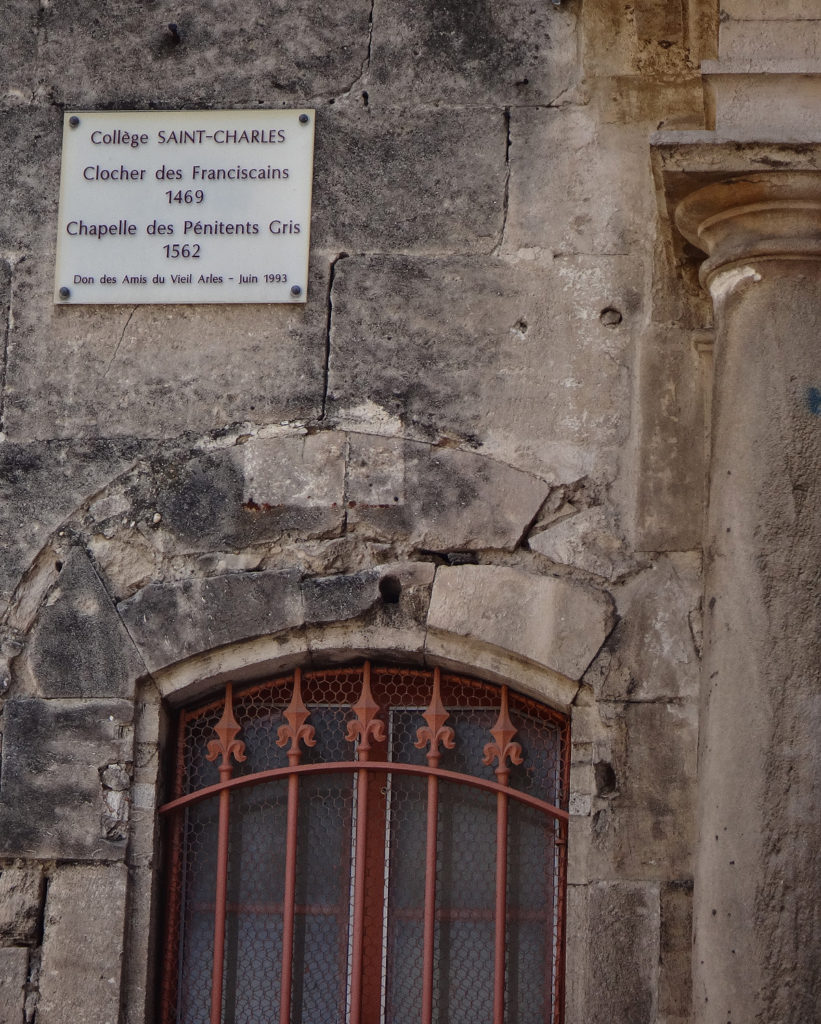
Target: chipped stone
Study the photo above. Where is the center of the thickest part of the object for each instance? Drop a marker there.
(21, 893)
(586, 540)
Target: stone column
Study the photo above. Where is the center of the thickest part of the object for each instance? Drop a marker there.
(757, 925)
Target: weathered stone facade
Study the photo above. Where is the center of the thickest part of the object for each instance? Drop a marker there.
(483, 443)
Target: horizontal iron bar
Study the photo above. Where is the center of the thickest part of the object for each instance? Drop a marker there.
(387, 767)
(401, 913)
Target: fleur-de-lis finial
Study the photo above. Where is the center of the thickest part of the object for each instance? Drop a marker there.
(366, 725)
(504, 747)
(227, 743)
(435, 732)
(297, 716)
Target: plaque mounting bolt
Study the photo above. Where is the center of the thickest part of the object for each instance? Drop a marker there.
(74, 120)
(304, 119)
(65, 293)
(295, 289)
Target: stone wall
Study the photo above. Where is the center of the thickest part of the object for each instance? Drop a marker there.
(494, 399)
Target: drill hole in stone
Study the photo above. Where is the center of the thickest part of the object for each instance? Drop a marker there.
(390, 589)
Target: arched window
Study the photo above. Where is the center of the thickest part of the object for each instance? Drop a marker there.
(369, 845)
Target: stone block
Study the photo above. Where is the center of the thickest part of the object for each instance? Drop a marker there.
(30, 138)
(525, 370)
(554, 622)
(622, 953)
(51, 793)
(676, 941)
(21, 893)
(604, 202)
(14, 963)
(254, 492)
(757, 41)
(672, 447)
(481, 54)
(233, 363)
(437, 499)
(83, 945)
(428, 181)
(42, 484)
(577, 954)
(652, 653)
(79, 647)
(646, 828)
(763, 10)
(172, 622)
(19, 51)
(277, 54)
(587, 540)
(609, 40)
(369, 612)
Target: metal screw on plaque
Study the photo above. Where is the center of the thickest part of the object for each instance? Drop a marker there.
(295, 289)
(74, 120)
(304, 119)
(65, 293)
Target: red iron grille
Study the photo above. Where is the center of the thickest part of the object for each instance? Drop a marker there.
(368, 845)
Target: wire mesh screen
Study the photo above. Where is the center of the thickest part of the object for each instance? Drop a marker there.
(375, 845)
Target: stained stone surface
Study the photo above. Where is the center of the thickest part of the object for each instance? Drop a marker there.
(51, 793)
(79, 647)
(273, 54)
(13, 972)
(440, 499)
(30, 157)
(41, 485)
(420, 181)
(110, 371)
(622, 953)
(21, 892)
(172, 621)
(509, 358)
(478, 53)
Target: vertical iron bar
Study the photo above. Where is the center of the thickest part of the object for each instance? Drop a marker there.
(430, 900)
(359, 896)
(289, 901)
(501, 910)
(220, 908)
(561, 909)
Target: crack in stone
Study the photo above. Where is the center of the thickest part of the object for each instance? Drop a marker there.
(329, 316)
(506, 199)
(4, 346)
(120, 341)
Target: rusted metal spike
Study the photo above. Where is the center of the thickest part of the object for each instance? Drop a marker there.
(435, 732)
(366, 726)
(227, 743)
(296, 716)
(504, 747)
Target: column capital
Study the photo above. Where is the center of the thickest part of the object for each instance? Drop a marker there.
(771, 215)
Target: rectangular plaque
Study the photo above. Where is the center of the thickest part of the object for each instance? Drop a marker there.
(184, 206)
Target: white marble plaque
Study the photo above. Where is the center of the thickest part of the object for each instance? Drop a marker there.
(184, 206)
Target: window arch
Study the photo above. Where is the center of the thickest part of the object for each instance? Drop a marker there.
(369, 845)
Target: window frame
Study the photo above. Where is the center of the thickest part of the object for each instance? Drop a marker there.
(366, 729)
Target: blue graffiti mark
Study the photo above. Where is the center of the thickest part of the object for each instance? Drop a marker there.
(814, 401)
